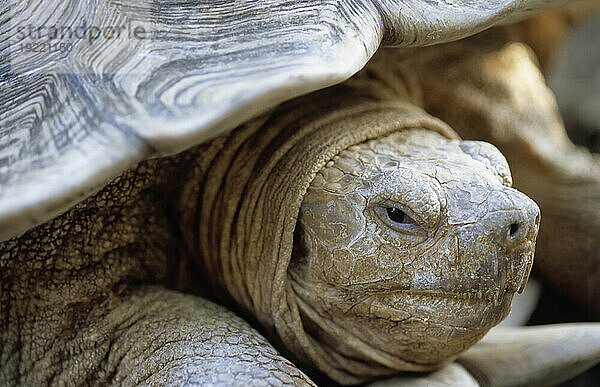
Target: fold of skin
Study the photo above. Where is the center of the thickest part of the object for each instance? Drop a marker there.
(249, 197)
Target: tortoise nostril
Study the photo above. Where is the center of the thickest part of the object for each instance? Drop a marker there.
(515, 224)
(514, 228)
(517, 232)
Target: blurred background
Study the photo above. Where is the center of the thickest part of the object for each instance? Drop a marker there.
(567, 43)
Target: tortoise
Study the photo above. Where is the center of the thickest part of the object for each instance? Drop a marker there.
(179, 154)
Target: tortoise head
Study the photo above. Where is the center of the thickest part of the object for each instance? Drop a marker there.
(410, 248)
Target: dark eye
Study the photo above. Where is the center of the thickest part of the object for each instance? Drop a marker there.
(398, 216)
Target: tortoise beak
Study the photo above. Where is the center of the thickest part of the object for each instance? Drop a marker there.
(495, 253)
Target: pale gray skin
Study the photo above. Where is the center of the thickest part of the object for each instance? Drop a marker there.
(430, 282)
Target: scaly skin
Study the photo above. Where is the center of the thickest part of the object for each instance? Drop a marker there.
(420, 290)
(490, 88)
(72, 312)
(74, 307)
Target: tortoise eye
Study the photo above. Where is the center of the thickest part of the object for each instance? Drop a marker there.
(398, 216)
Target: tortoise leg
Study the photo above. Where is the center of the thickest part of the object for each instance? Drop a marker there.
(165, 338)
(491, 89)
(533, 356)
(516, 356)
(156, 336)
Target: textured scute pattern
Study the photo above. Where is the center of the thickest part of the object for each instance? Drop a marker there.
(71, 121)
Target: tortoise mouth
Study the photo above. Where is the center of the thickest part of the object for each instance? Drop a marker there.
(470, 310)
